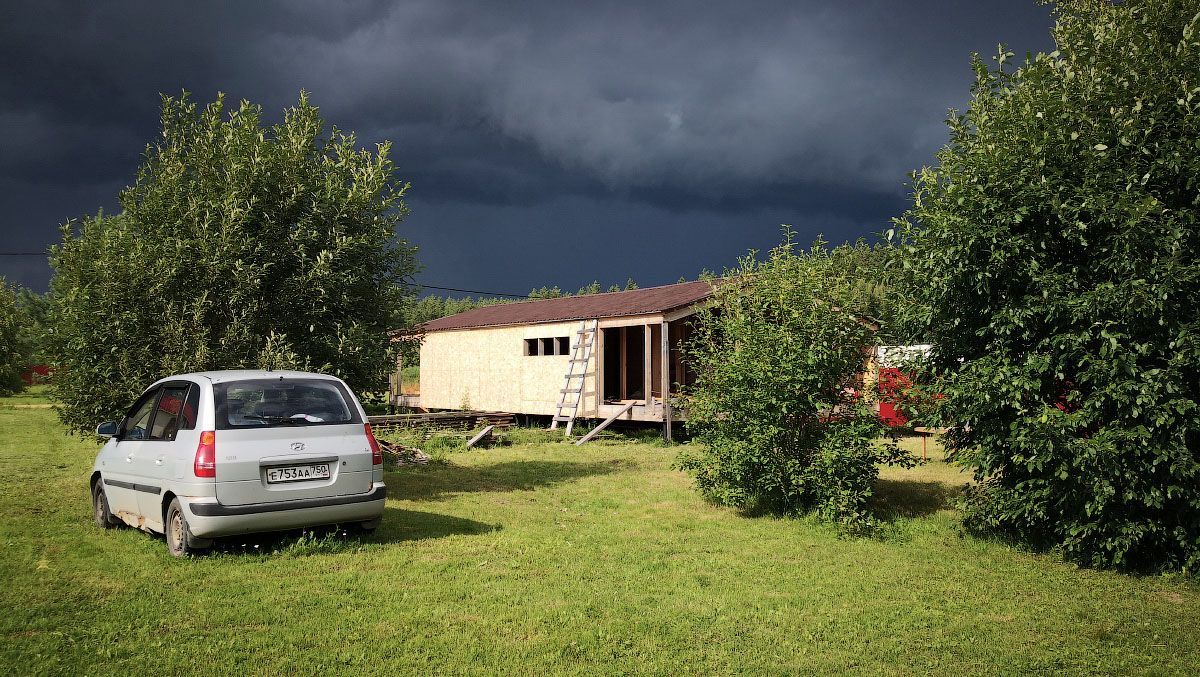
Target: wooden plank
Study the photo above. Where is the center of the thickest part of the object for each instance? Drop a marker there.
(623, 332)
(452, 418)
(596, 431)
(647, 366)
(483, 434)
(666, 379)
(396, 383)
(684, 312)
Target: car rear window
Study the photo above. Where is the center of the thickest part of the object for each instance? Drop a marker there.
(270, 402)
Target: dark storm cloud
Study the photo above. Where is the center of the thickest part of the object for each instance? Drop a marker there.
(705, 124)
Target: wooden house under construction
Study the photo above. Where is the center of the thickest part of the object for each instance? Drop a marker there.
(600, 356)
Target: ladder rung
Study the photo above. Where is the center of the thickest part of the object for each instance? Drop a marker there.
(576, 375)
(562, 419)
(580, 360)
(571, 390)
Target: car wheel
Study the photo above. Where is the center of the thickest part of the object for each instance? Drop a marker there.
(179, 536)
(104, 518)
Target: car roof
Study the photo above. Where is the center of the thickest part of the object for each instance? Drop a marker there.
(246, 374)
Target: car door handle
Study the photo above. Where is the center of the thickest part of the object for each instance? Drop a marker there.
(129, 459)
(158, 461)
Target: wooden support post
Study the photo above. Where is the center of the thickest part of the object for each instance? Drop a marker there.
(647, 367)
(396, 383)
(665, 347)
(598, 348)
(624, 363)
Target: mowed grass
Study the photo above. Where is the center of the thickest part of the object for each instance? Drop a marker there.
(34, 397)
(542, 557)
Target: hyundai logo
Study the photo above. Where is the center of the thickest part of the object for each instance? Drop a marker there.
(297, 446)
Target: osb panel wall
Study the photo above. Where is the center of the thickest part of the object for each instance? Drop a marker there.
(487, 369)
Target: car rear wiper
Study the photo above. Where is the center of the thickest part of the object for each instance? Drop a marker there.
(296, 419)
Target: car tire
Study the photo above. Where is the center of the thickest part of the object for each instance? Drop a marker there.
(100, 512)
(179, 536)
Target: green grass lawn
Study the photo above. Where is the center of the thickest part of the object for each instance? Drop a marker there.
(544, 557)
(33, 397)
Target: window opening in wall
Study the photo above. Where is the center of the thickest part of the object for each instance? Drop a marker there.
(555, 345)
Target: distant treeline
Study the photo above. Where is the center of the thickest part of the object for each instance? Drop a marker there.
(432, 307)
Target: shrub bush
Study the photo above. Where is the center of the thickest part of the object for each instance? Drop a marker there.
(777, 411)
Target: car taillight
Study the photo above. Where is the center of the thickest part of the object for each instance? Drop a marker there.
(376, 454)
(206, 455)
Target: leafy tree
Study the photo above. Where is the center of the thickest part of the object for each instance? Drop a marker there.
(34, 333)
(1054, 255)
(238, 245)
(777, 406)
(14, 348)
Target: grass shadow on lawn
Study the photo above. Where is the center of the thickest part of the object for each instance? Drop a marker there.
(912, 498)
(443, 481)
(414, 525)
(398, 526)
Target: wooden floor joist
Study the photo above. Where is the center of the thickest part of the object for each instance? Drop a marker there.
(596, 431)
(443, 419)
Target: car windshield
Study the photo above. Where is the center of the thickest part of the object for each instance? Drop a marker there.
(282, 402)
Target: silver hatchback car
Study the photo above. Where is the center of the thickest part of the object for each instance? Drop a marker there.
(219, 453)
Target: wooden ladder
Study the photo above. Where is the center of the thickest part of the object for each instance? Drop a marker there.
(572, 391)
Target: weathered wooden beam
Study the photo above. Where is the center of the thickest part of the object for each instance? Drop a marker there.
(396, 383)
(624, 362)
(647, 366)
(596, 431)
(666, 379)
(483, 434)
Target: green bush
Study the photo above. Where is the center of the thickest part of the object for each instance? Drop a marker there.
(777, 411)
(239, 246)
(14, 352)
(1054, 255)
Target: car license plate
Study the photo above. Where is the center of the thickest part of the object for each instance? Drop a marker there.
(298, 473)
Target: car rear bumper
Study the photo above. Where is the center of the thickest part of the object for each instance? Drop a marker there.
(208, 519)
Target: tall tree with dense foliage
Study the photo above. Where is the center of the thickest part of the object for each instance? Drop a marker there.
(1055, 259)
(778, 407)
(14, 348)
(238, 245)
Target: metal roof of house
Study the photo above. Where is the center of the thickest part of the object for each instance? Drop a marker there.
(612, 304)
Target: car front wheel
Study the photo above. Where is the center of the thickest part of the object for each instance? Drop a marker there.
(179, 537)
(104, 517)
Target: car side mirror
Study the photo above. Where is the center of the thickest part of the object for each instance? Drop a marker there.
(107, 429)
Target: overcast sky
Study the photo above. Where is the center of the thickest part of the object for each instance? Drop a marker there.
(547, 143)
